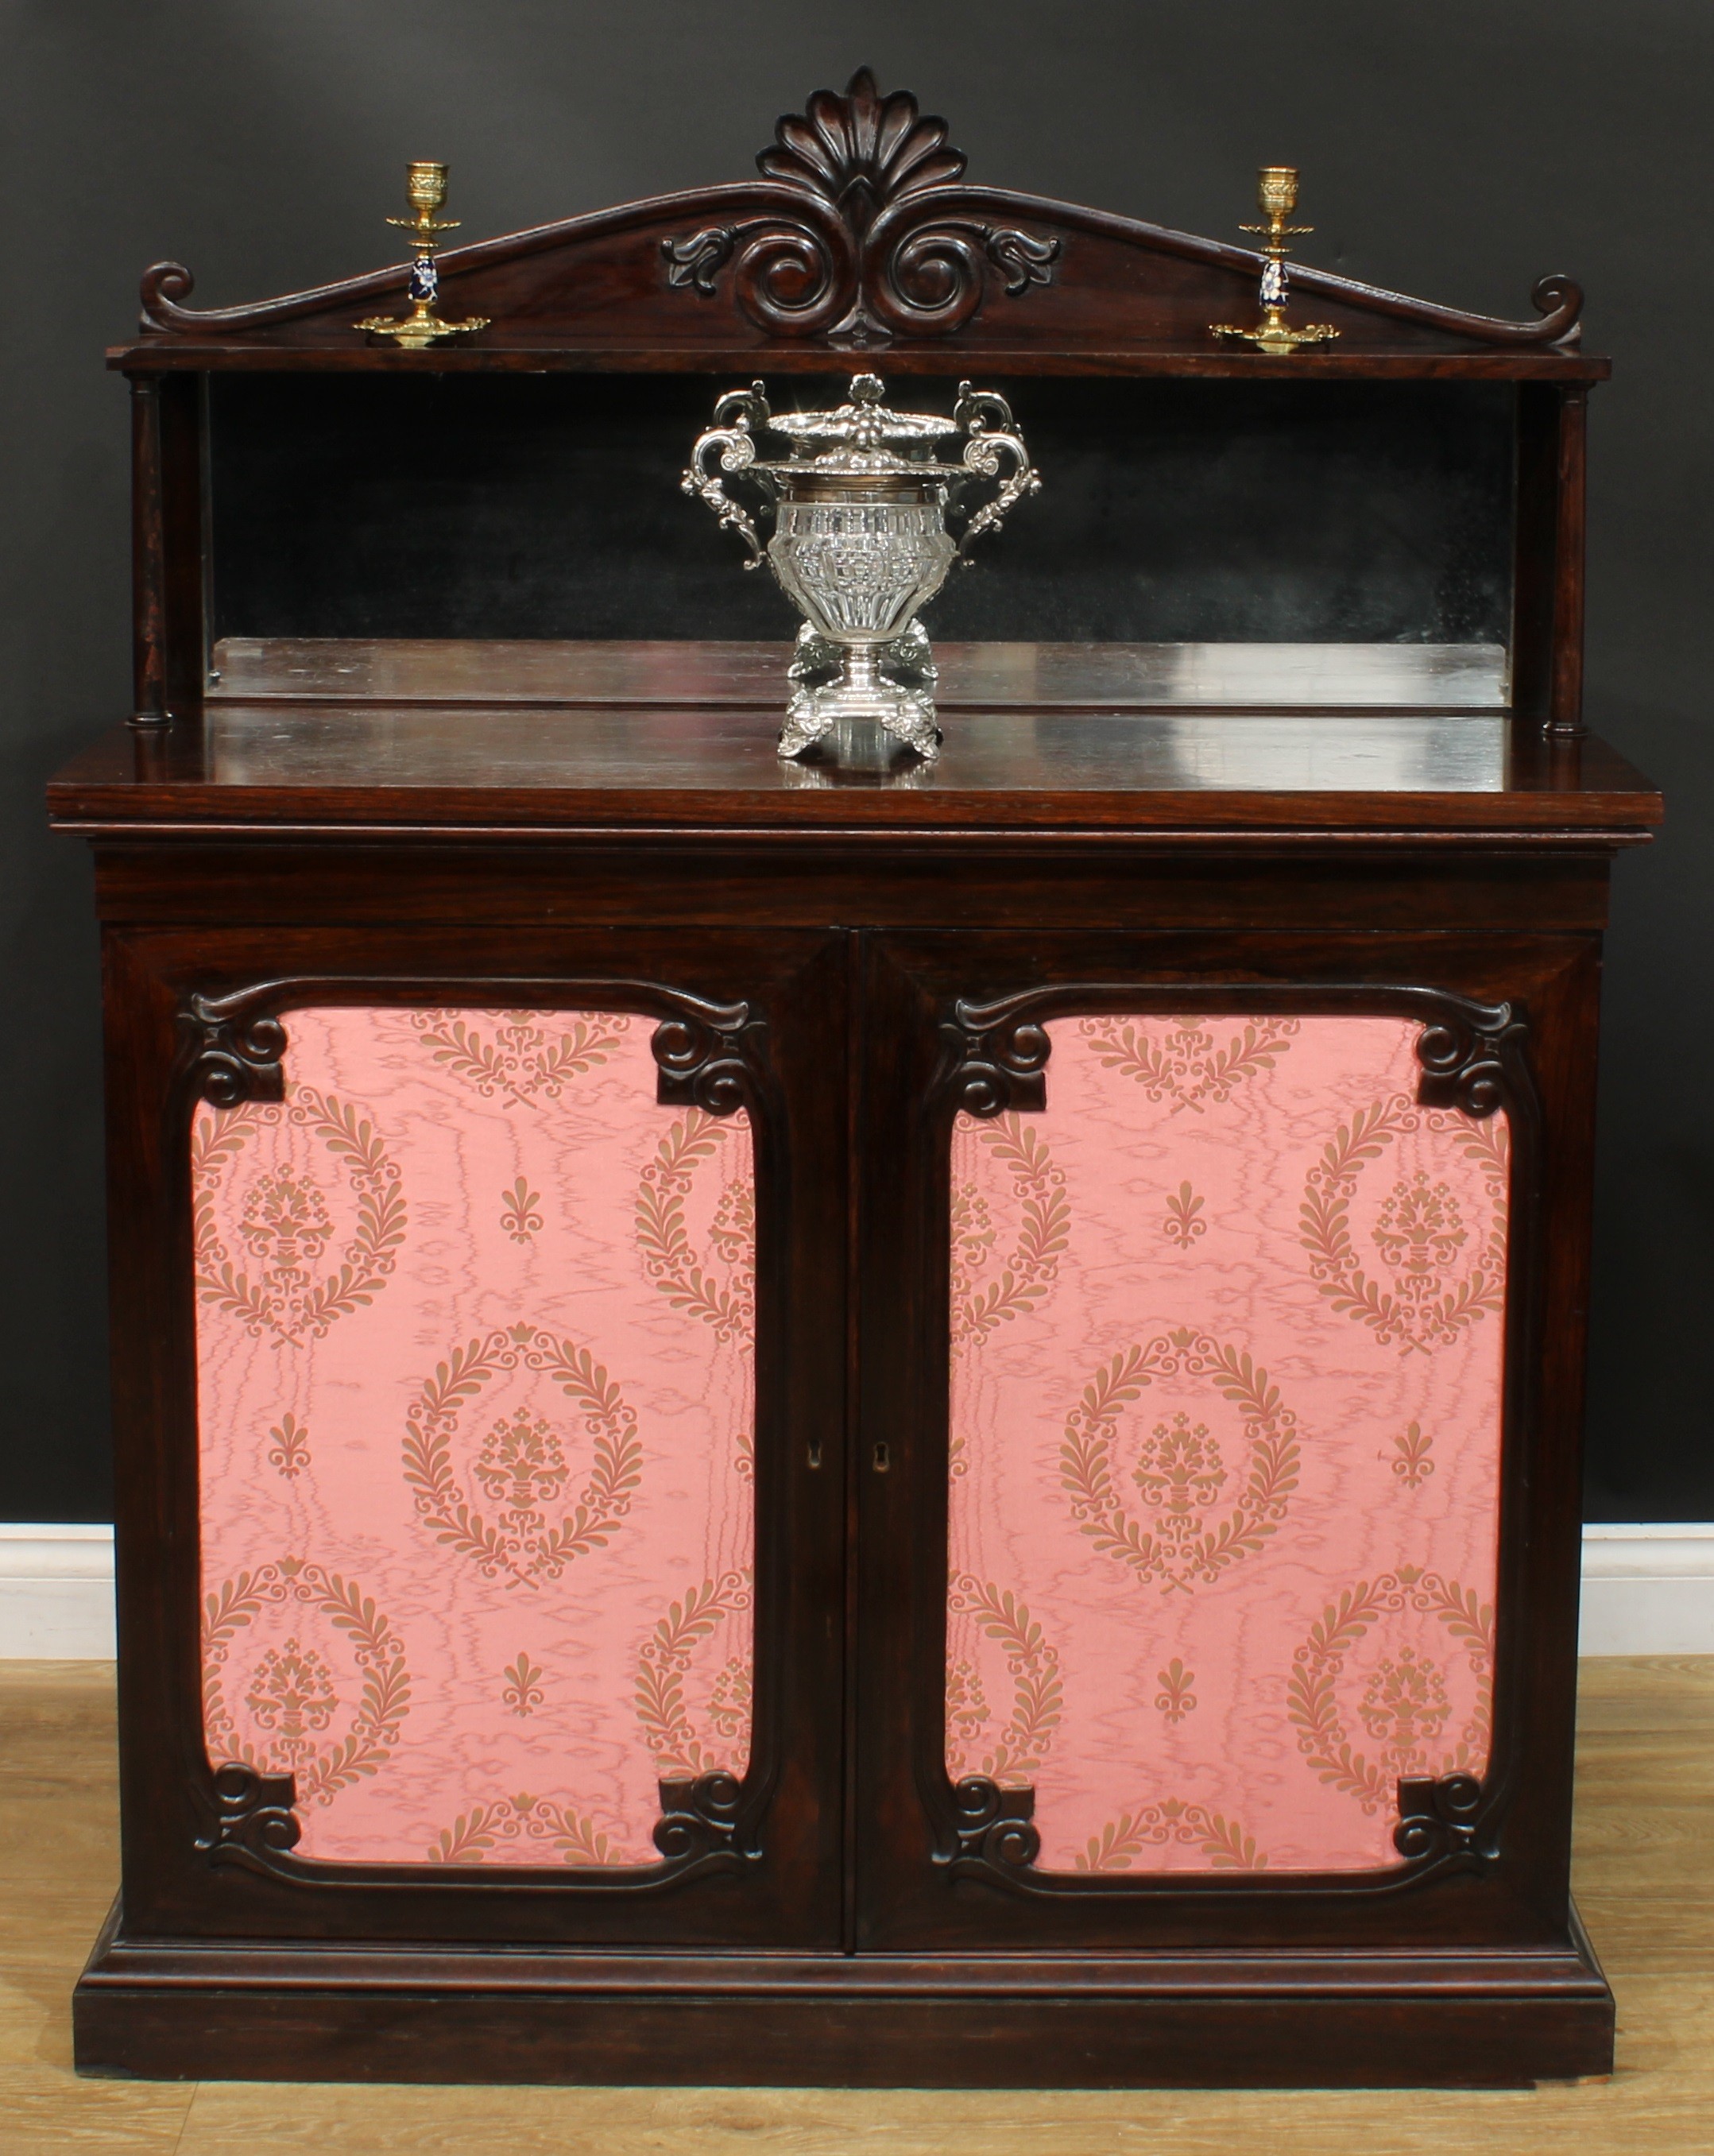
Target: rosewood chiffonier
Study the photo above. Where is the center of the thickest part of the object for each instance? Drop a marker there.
(781, 1423)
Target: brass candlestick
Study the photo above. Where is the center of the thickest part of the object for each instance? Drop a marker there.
(1276, 197)
(425, 190)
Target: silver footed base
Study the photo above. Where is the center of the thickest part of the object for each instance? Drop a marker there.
(846, 710)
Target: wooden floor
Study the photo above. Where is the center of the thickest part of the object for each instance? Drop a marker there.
(1646, 1880)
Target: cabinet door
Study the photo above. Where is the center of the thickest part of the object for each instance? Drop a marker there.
(1209, 1454)
(483, 1486)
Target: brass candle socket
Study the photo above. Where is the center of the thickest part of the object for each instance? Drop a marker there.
(425, 191)
(1276, 198)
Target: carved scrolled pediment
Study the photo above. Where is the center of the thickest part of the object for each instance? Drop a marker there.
(861, 229)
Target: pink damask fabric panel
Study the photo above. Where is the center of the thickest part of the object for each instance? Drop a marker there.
(475, 1387)
(1228, 1322)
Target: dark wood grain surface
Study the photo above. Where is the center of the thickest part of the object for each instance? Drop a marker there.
(560, 351)
(335, 767)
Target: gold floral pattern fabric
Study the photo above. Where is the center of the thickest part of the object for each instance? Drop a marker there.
(1225, 1418)
(326, 1687)
(475, 1322)
(318, 1184)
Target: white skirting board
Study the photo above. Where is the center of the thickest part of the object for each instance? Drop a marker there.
(56, 1593)
(1647, 1590)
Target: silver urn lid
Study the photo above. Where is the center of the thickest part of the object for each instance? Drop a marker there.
(864, 438)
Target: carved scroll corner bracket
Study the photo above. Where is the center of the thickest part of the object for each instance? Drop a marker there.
(707, 1054)
(864, 263)
(996, 1061)
(1559, 299)
(699, 1821)
(164, 285)
(1442, 1821)
(992, 1826)
(233, 1057)
(252, 1820)
(1468, 1059)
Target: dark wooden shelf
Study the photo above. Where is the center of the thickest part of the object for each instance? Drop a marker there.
(260, 766)
(514, 351)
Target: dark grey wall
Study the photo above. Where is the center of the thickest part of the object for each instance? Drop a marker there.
(1456, 152)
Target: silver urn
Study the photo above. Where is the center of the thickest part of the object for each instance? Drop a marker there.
(860, 544)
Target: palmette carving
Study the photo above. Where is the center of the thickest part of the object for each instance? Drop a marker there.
(866, 159)
(859, 151)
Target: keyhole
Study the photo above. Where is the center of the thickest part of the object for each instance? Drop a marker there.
(881, 1461)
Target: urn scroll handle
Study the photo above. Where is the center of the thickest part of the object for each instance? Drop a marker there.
(738, 417)
(988, 447)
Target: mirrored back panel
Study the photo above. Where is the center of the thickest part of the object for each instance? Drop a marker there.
(1365, 519)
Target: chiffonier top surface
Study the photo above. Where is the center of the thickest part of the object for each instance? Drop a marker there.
(682, 737)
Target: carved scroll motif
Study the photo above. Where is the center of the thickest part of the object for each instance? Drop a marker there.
(900, 268)
(699, 1821)
(706, 1057)
(252, 1817)
(994, 1826)
(1442, 1819)
(996, 1061)
(235, 1057)
(1466, 1059)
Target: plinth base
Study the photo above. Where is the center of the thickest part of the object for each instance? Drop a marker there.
(379, 2013)
(862, 716)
